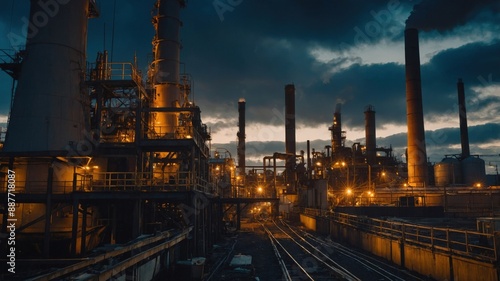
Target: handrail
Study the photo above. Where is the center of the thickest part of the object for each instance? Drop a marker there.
(115, 71)
(117, 181)
(40, 187)
(178, 132)
(482, 246)
(146, 181)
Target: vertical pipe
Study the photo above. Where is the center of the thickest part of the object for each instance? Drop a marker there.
(417, 155)
(370, 135)
(241, 137)
(274, 177)
(462, 113)
(309, 167)
(290, 143)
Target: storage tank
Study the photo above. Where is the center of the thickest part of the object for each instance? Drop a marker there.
(50, 106)
(473, 171)
(448, 172)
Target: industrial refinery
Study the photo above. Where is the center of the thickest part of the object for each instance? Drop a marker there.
(108, 172)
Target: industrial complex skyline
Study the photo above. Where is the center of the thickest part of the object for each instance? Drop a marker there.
(332, 51)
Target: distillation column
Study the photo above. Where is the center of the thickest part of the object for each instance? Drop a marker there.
(241, 137)
(165, 68)
(337, 134)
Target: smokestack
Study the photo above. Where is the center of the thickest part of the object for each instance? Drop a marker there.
(165, 68)
(241, 136)
(48, 112)
(417, 155)
(370, 135)
(462, 113)
(290, 148)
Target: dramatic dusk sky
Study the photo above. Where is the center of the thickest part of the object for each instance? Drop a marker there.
(348, 52)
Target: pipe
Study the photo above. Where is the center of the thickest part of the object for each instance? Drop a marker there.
(290, 142)
(462, 113)
(417, 155)
(370, 135)
(309, 168)
(241, 136)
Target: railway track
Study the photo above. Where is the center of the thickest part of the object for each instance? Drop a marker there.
(303, 261)
(381, 270)
(304, 256)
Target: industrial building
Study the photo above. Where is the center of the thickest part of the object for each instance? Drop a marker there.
(111, 175)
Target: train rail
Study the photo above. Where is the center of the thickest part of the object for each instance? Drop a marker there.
(304, 256)
(301, 260)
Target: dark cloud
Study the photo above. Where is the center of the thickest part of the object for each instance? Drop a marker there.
(253, 49)
(482, 140)
(476, 63)
(447, 14)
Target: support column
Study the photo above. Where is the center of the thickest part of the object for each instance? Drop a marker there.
(74, 229)
(113, 225)
(137, 219)
(83, 247)
(48, 212)
(238, 216)
(204, 230)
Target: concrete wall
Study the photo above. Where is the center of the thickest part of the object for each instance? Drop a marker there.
(308, 222)
(428, 262)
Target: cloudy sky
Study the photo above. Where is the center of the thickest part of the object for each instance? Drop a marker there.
(348, 52)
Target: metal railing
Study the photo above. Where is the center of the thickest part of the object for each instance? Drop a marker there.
(474, 244)
(178, 132)
(114, 71)
(40, 187)
(123, 181)
(146, 181)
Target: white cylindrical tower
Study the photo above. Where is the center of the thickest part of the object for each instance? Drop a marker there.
(49, 105)
(166, 64)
